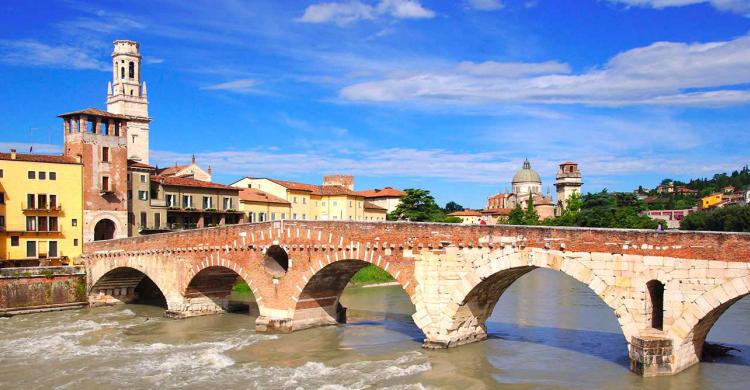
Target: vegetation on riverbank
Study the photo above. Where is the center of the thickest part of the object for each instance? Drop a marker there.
(370, 274)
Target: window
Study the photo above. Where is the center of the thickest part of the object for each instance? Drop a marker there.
(228, 203)
(32, 175)
(294, 216)
(14, 241)
(105, 154)
(42, 201)
(42, 225)
(303, 217)
(53, 224)
(157, 220)
(2, 197)
(143, 178)
(42, 175)
(304, 200)
(52, 249)
(187, 201)
(2, 220)
(207, 202)
(105, 184)
(131, 70)
(283, 215)
(30, 248)
(171, 200)
(324, 204)
(334, 203)
(122, 72)
(249, 186)
(74, 222)
(30, 201)
(53, 201)
(75, 242)
(295, 199)
(143, 195)
(105, 127)
(90, 126)
(261, 217)
(144, 219)
(655, 303)
(53, 175)
(1, 173)
(117, 129)
(273, 216)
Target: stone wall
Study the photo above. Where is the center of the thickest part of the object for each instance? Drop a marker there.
(33, 289)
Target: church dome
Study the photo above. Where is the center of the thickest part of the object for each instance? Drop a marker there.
(526, 174)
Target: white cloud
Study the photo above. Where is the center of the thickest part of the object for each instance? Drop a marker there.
(33, 53)
(663, 73)
(736, 6)
(486, 5)
(347, 12)
(239, 86)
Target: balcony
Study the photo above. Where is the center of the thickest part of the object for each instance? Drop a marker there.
(47, 209)
(182, 226)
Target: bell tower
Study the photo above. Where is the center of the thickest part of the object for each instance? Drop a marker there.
(126, 95)
(567, 181)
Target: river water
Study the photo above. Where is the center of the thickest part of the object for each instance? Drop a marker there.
(547, 331)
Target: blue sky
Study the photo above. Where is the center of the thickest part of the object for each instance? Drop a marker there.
(445, 95)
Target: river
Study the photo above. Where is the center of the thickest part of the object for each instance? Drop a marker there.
(547, 331)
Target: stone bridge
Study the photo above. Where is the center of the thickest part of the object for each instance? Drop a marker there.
(666, 289)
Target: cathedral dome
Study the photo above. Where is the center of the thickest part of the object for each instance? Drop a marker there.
(526, 174)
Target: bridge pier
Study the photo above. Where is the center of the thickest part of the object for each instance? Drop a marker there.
(198, 306)
(651, 355)
(306, 318)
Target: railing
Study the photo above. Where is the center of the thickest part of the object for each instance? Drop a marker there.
(182, 226)
(43, 208)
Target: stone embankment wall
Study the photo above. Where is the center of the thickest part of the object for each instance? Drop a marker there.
(35, 289)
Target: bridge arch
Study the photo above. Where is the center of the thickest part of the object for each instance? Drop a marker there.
(209, 285)
(700, 315)
(471, 304)
(124, 284)
(316, 299)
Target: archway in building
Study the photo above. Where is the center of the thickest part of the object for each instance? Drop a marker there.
(127, 285)
(330, 294)
(104, 230)
(222, 288)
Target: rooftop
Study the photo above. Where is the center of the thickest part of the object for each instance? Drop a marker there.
(136, 164)
(256, 195)
(185, 182)
(94, 112)
(43, 158)
(465, 213)
(384, 192)
(328, 190)
(373, 206)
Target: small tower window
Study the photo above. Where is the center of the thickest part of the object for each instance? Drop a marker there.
(131, 71)
(122, 72)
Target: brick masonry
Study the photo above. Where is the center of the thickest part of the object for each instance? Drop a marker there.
(454, 275)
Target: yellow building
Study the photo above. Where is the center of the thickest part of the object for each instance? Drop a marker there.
(711, 200)
(41, 209)
(468, 217)
(335, 200)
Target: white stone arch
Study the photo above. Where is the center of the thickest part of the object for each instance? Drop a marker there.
(699, 316)
(461, 323)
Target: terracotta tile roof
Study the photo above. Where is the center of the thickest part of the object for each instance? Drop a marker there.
(373, 206)
(185, 182)
(256, 195)
(498, 211)
(171, 170)
(540, 200)
(93, 111)
(378, 193)
(315, 189)
(136, 164)
(45, 158)
(465, 213)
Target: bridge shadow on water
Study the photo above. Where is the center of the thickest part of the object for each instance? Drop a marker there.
(607, 346)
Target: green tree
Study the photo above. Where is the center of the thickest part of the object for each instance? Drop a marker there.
(731, 218)
(452, 207)
(530, 217)
(516, 216)
(452, 220)
(417, 205)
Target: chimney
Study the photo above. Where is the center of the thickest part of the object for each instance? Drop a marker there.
(12, 154)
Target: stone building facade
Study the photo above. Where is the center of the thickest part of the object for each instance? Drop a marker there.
(99, 139)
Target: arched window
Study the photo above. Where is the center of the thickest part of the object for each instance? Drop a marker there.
(122, 72)
(131, 70)
(655, 303)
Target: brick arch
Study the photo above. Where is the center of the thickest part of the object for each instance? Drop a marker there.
(117, 285)
(480, 290)
(316, 294)
(699, 316)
